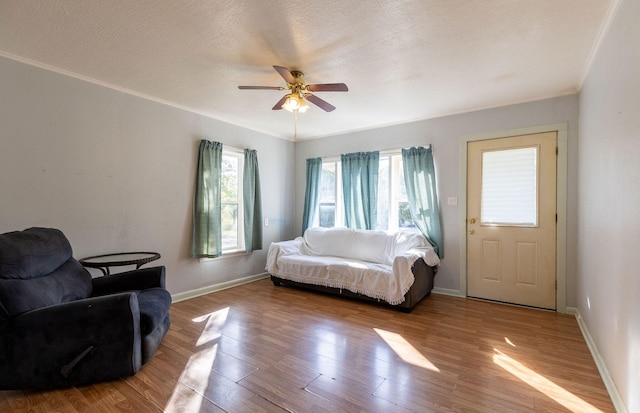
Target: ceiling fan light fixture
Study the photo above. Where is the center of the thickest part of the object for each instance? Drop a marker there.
(293, 102)
(304, 106)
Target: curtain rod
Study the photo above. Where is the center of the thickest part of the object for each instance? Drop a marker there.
(385, 152)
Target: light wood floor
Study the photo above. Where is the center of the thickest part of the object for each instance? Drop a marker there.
(260, 348)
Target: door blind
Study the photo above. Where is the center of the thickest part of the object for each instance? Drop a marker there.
(509, 187)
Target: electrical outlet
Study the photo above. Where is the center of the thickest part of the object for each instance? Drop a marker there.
(266, 222)
(452, 200)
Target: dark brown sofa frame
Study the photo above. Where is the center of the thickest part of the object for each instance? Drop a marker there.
(422, 286)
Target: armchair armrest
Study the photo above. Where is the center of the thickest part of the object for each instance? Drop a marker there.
(84, 341)
(140, 279)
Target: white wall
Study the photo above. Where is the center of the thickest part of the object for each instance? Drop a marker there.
(115, 172)
(609, 195)
(445, 133)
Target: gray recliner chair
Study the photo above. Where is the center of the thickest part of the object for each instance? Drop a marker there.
(60, 327)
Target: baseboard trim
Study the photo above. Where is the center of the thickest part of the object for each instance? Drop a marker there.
(216, 287)
(446, 291)
(616, 399)
(234, 283)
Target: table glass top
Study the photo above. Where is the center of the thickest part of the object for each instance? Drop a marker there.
(129, 256)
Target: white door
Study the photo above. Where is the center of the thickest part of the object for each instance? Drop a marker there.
(511, 219)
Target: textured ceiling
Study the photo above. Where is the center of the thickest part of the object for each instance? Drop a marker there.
(403, 60)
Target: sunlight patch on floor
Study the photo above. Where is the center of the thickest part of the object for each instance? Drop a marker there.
(543, 385)
(405, 350)
(509, 342)
(213, 328)
(183, 399)
(194, 379)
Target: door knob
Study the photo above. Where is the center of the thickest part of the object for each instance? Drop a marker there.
(472, 220)
(472, 231)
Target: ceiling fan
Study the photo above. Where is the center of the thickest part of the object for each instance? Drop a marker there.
(300, 92)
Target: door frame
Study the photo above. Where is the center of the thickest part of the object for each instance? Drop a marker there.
(561, 203)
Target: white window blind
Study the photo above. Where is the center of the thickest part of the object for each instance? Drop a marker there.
(509, 187)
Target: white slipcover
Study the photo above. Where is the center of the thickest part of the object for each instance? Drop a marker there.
(373, 263)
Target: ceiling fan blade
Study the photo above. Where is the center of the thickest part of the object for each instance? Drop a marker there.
(328, 87)
(278, 105)
(322, 104)
(260, 87)
(286, 74)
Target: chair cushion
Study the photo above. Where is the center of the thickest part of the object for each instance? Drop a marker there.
(154, 306)
(68, 283)
(32, 253)
(37, 270)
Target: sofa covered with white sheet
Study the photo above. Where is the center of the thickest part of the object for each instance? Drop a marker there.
(396, 268)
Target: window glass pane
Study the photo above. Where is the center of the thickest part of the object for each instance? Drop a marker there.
(229, 225)
(384, 193)
(327, 195)
(232, 212)
(327, 213)
(509, 187)
(402, 193)
(229, 178)
(404, 216)
(328, 182)
(404, 211)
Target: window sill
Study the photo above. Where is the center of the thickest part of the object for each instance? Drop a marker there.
(226, 254)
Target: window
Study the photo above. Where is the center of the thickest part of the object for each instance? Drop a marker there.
(393, 207)
(227, 206)
(509, 187)
(329, 195)
(231, 201)
(404, 211)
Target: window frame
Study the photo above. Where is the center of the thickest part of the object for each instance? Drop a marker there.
(339, 204)
(394, 197)
(239, 246)
(395, 189)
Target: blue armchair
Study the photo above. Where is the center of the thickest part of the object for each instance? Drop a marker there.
(60, 327)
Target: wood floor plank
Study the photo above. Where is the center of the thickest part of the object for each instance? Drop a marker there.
(152, 383)
(184, 399)
(288, 390)
(351, 396)
(260, 348)
(226, 394)
(423, 395)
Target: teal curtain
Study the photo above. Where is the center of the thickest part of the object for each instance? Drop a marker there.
(252, 201)
(360, 189)
(314, 172)
(420, 184)
(207, 237)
